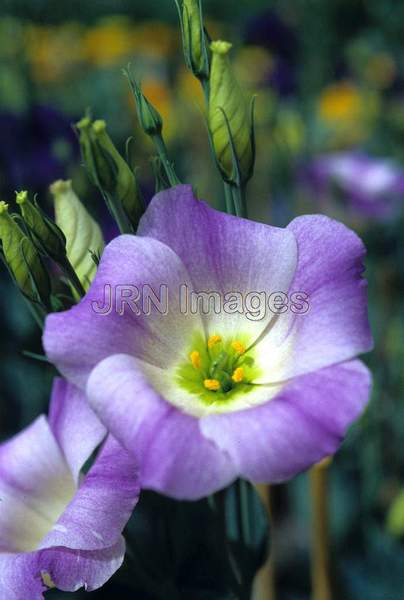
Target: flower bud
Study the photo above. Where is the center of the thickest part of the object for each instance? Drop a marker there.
(83, 234)
(47, 236)
(100, 171)
(194, 38)
(124, 184)
(230, 125)
(23, 259)
(149, 118)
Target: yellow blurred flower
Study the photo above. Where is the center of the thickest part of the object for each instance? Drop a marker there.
(155, 39)
(53, 50)
(340, 102)
(347, 111)
(189, 87)
(289, 130)
(252, 65)
(109, 42)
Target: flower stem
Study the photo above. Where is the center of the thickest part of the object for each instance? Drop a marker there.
(70, 273)
(320, 559)
(264, 585)
(228, 195)
(165, 161)
(117, 213)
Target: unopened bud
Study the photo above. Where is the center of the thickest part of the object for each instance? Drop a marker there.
(124, 185)
(83, 235)
(47, 236)
(100, 170)
(194, 38)
(23, 259)
(149, 117)
(229, 120)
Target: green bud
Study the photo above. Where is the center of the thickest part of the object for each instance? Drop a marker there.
(83, 234)
(124, 185)
(194, 38)
(230, 125)
(395, 516)
(101, 174)
(149, 118)
(23, 259)
(47, 236)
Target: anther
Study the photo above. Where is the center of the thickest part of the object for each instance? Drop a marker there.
(212, 385)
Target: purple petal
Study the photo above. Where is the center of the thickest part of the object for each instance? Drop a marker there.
(101, 507)
(76, 340)
(70, 570)
(303, 424)
(19, 577)
(35, 487)
(77, 429)
(336, 326)
(222, 253)
(176, 459)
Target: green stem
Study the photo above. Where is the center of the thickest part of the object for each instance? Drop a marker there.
(228, 195)
(70, 273)
(206, 90)
(117, 213)
(239, 201)
(37, 312)
(242, 491)
(321, 582)
(165, 161)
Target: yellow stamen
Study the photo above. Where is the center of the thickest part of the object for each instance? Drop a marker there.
(238, 375)
(238, 347)
(212, 385)
(213, 340)
(46, 578)
(195, 359)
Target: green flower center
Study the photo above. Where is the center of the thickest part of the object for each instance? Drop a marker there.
(218, 369)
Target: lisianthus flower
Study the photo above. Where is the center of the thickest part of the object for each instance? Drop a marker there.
(371, 187)
(58, 528)
(204, 398)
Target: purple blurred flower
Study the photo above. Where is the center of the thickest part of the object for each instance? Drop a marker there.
(151, 376)
(372, 187)
(268, 30)
(57, 529)
(36, 148)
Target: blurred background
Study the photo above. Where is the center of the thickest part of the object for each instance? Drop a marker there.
(329, 79)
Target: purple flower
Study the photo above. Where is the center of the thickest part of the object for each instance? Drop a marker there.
(57, 528)
(372, 187)
(204, 398)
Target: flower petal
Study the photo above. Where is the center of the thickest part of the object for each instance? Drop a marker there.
(175, 458)
(69, 570)
(75, 426)
(76, 340)
(223, 253)
(35, 487)
(335, 328)
(19, 577)
(299, 427)
(101, 507)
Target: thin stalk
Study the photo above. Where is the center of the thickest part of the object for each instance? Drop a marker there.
(37, 312)
(320, 557)
(239, 201)
(117, 213)
(165, 161)
(70, 273)
(228, 196)
(245, 511)
(264, 584)
(206, 90)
